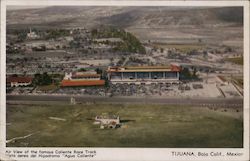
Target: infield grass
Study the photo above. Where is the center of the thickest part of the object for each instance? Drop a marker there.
(142, 126)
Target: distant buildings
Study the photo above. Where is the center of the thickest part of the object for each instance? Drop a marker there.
(101, 40)
(32, 35)
(77, 79)
(19, 81)
(144, 74)
(35, 45)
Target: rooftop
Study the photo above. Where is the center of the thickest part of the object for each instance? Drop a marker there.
(145, 69)
(19, 79)
(86, 75)
(75, 83)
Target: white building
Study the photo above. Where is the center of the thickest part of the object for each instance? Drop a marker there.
(19, 81)
(32, 35)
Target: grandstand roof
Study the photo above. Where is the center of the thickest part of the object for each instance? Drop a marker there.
(145, 69)
(86, 75)
(19, 79)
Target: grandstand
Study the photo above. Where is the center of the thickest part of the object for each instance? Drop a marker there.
(144, 74)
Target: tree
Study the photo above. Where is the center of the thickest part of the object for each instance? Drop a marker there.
(228, 49)
(194, 73)
(185, 73)
(46, 79)
(94, 32)
(82, 70)
(21, 36)
(99, 71)
(42, 79)
(111, 60)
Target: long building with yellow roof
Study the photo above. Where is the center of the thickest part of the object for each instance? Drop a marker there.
(144, 74)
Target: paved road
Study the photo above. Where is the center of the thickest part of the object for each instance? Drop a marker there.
(233, 102)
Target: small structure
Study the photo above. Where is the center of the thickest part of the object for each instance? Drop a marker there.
(108, 121)
(72, 101)
(32, 35)
(19, 81)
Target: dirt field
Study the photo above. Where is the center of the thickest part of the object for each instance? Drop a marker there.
(142, 126)
(187, 35)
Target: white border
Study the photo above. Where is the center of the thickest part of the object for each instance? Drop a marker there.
(123, 3)
(133, 153)
(2, 79)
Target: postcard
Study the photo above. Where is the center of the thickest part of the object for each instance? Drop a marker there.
(124, 80)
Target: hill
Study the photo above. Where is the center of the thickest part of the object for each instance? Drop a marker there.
(159, 23)
(127, 16)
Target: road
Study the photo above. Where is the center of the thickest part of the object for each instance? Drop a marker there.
(233, 102)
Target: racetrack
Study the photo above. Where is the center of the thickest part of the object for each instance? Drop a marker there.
(232, 102)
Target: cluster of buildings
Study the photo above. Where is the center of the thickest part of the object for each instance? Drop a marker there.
(121, 75)
(115, 75)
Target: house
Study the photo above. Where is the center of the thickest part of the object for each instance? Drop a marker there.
(19, 81)
(32, 35)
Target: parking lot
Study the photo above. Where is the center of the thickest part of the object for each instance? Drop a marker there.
(193, 89)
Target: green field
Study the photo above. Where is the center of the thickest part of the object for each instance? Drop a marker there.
(237, 60)
(142, 126)
(181, 47)
(45, 88)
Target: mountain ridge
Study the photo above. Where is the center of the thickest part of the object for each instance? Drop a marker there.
(127, 16)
